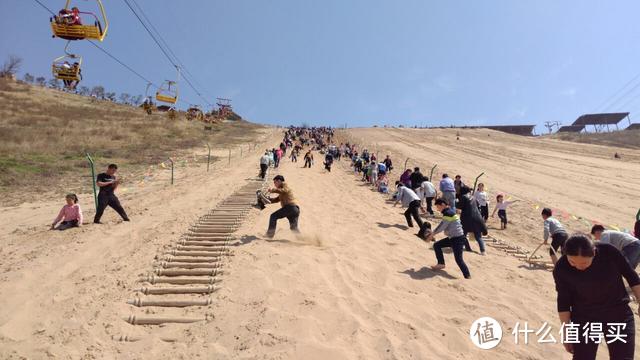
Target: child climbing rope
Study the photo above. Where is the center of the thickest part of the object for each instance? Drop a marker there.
(452, 228)
(501, 208)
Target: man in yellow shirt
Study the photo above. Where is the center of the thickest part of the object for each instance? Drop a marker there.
(289, 208)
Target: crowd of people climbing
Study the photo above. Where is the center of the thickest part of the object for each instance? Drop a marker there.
(295, 140)
(588, 270)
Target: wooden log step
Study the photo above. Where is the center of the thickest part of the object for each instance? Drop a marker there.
(198, 253)
(200, 265)
(208, 289)
(200, 248)
(187, 272)
(169, 302)
(152, 279)
(193, 259)
(146, 320)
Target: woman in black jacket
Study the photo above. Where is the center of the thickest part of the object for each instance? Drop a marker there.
(472, 221)
(593, 301)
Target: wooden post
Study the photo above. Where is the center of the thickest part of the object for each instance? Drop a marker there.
(208, 157)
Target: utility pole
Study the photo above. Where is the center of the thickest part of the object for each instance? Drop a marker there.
(550, 124)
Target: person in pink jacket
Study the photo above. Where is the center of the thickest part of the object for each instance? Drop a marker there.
(70, 214)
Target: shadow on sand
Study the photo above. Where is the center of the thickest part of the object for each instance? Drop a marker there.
(244, 240)
(425, 273)
(397, 226)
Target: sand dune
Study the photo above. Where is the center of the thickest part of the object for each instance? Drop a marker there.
(354, 285)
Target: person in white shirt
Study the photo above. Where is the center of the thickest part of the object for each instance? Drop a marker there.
(264, 164)
(428, 192)
(501, 208)
(480, 196)
(411, 201)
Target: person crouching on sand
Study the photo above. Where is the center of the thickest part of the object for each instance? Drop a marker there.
(554, 229)
(289, 208)
(70, 214)
(411, 201)
(452, 228)
(627, 244)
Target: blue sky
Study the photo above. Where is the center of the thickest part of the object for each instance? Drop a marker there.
(360, 63)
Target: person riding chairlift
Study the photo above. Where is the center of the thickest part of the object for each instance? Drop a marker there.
(66, 67)
(76, 69)
(69, 17)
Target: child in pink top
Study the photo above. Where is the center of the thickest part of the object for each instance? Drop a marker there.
(70, 214)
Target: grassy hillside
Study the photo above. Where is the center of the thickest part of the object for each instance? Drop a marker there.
(44, 134)
(625, 138)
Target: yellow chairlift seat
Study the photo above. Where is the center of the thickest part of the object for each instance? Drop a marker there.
(67, 67)
(168, 92)
(63, 29)
(166, 98)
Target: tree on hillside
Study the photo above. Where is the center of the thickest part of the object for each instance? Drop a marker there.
(111, 96)
(124, 98)
(54, 83)
(84, 91)
(40, 80)
(136, 100)
(10, 66)
(28, 78)
(98, 91)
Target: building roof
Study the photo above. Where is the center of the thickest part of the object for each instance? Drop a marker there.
(571, 128)
(526, 130)
(600, 119)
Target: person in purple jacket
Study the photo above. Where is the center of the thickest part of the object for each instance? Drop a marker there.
(405, 178)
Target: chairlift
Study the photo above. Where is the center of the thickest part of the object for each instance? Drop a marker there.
(68, 25)
(168, 90)
(67, 67)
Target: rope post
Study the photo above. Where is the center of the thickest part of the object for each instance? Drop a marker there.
(93, 180)
(208, 157)
(229, 156)
(432, 170)
(171, 160)
(405, 164)
(240, 150)
(476, 183)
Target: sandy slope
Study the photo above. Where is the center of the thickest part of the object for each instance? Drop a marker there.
(353, 285)
(63, 293)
